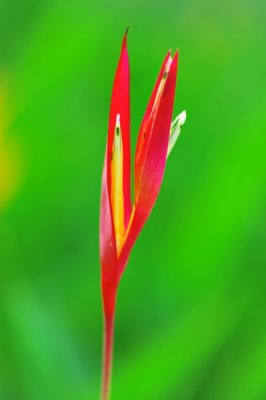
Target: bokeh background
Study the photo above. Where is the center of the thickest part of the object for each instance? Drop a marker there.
(191, 308)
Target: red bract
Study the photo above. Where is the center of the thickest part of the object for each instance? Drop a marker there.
(120, 221)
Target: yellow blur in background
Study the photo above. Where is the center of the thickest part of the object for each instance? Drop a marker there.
(9, 158)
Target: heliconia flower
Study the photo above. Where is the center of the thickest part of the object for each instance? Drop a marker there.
(121, 220)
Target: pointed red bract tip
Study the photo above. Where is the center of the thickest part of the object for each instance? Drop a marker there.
(120, 104)
(151, 166)
(144, 132)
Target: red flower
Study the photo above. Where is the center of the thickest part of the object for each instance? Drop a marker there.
(121, 220)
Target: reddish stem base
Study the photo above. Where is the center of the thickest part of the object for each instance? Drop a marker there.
(108, 341)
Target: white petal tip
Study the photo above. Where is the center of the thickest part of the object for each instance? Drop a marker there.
(182, 117)
(175, 130)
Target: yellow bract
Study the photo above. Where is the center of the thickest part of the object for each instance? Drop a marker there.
(117, 196)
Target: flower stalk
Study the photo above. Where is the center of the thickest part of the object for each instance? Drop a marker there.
(121, 219)
(108, 340)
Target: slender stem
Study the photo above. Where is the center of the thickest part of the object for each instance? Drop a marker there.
(108, 341)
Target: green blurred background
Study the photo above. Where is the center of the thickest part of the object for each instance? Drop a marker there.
(191, 308)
